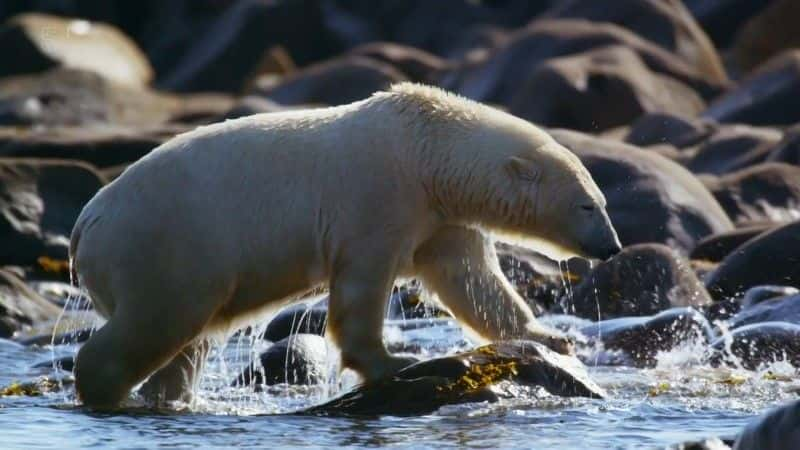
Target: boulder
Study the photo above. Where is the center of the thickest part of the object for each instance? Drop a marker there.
(40, 201)
(716, 247)
(642, 280)
(305, 318)
(20, 306)
(417, 65)
(575, 91)
(426, 386)
(758, 294)
(761, 343)
(650, 198)
(38, 42)
(788, 149)
(767, 33)
(731, 148)
(775, 309)
(298, 359)
(334, 82)
(720, 19)
(642, 338)
(665, 128)
(760, 193)
(72, 337)
(765, 97)
(778, 429)
(497, 75)
(665, 22)
(769, 258)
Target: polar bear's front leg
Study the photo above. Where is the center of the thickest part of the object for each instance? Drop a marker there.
(358, 295)
(460, 265)
(177, 380)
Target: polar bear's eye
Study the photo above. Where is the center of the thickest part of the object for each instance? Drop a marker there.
(588, 208)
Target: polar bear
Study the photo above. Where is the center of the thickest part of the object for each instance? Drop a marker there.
(223, 221)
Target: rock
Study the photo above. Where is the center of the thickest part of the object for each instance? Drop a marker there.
(249, 105)
(301, 318)
(20, 306)
(716, 247)
(704, 444)
(540, 280)
(66, 363)
(759, 193)
(778, 429)
(497, 75)
(466, 377)
(666, 128)
(642, 280)
(768, 33)
(642, 338)
(39, 42)
(575, 91)
(417, 65)
(721, 18)
(666, 23)
(733, 147)
(769, 258)
(650, 198)
(758, 294)
(233, 45)
(102, 147)
(775, 309)
(407, 303)
(762, 343)
(298, 359)
(67, 97)
(765, 97)
(72, 337)
(788, 149)
(334, 82)
(40, 201)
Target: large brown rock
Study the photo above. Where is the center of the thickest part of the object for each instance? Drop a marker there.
(575, 91)
(39, 202)
(768, 33)
(650, 198)
(665, 22)
(642, 280)
(732, 147)
(38, 42)
(720, 19)
(417, 65)
(770, 258)
(716, 247)
(20, 306)
(761, 193)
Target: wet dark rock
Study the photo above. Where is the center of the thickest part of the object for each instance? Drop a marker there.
(540, 280)
(497, 76)
(775, 309)
(642, 338)
(664, 128)
(298, 359)
(761, 343)
(778, 429)
(101, 146)
(232, 45)
(68, 97)
(769, 258)
(788, 149)
(66, 363)
(302, 318)
(72, 337)
(768, 33)
(38, 42)
(417, 65)
(704, 444)
(765, 97)
(720, 19)
(21, 306)
(642, 280)
(650, 198)
(721, 310)
(666, 23)
(575, 91)
(758, 294)
(733, 147)
(334, 82)
(40, 201)
(760, 193)
(467, 377)
(407, 303)
(716, 247)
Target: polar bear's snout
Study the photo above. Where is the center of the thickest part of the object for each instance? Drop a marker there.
(597, 238)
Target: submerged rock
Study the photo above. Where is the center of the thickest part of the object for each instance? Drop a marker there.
(466, 377)
(770, 258)
(781, 308)
(298, 359)
(762, 343)
(642, 338)
(642, 280)
(66, 363)
(650, 198)
(72, 337)
(778, 429)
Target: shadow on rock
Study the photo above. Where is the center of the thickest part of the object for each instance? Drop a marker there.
(298, 359)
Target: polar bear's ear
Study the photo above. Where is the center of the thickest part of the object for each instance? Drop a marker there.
(523, 169)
